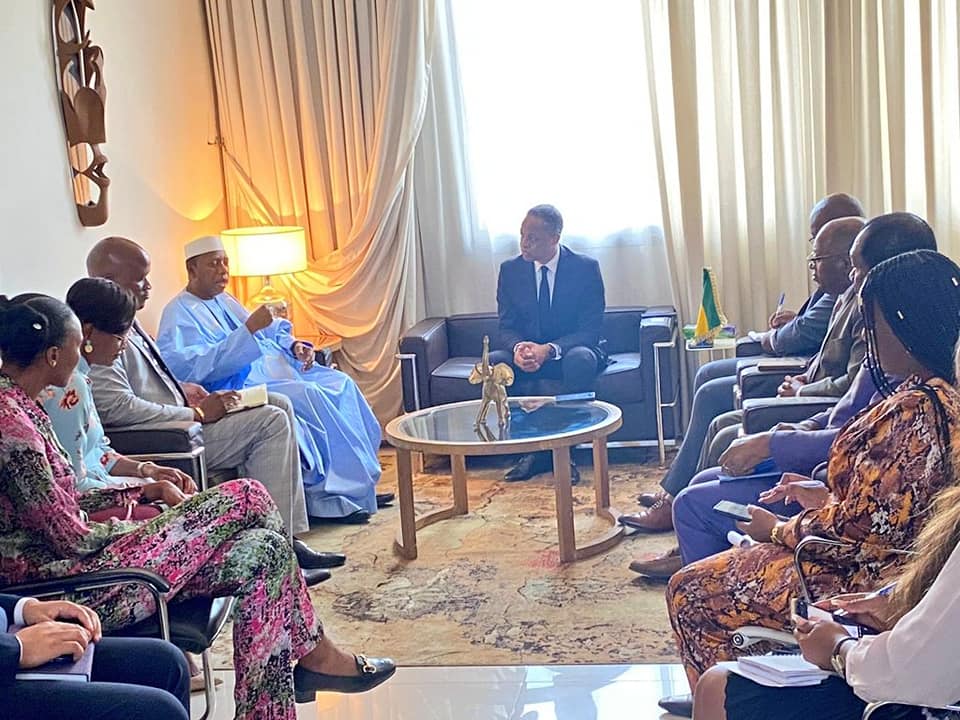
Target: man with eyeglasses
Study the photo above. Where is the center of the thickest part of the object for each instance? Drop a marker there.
(801, 334)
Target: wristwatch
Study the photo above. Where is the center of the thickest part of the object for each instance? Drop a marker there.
(837, 660)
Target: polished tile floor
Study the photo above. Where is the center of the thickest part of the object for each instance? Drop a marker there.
(554, 692)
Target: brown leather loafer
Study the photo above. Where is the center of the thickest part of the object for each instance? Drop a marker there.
(649, 499)
(657, 518)
(661, 567)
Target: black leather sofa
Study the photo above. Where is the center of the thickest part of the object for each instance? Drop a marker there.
(438, 353)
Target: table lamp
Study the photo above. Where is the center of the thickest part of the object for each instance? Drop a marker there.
(266, 251)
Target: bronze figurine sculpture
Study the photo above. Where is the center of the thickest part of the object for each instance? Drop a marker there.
(495, 381)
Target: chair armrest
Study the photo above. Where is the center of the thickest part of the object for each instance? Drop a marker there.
(174, 436)
(763, 378)
(748, 348)
(761, 414)
(660, 346)
(90, 581)
(423, 348)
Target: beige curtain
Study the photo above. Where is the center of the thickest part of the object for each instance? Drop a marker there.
(761, 107)
(322, 111)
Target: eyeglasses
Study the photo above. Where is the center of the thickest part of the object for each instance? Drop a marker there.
(812, 260)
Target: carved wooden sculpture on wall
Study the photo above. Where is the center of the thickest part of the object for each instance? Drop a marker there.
(82, 98)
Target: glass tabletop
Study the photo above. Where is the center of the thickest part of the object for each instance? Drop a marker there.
(531, 419)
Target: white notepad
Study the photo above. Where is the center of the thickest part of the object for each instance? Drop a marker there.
(778, 670)
(250, 397)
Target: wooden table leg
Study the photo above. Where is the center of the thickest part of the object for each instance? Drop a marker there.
(458, 464)
(565, 529)
(406, 543)
(601, 474)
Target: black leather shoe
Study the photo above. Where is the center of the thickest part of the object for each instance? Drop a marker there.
(310, 559)
(357, 517)
(681, 705)
(373, 671)
(527, 466)
(315, 577)
(384, 499)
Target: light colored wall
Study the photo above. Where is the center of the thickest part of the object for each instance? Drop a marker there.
(165, 179)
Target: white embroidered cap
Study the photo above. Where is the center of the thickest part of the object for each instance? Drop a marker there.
(202, 245)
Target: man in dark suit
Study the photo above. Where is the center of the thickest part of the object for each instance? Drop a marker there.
(550, 301)
(131, 677)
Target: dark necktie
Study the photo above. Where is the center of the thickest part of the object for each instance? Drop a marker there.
(543, 302)
(148, 343)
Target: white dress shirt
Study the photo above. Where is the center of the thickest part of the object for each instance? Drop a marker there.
(551, 266)
(916, 662)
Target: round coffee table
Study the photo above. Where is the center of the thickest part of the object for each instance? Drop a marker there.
(535, 424)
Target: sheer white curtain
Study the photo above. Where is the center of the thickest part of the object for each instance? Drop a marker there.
(331, 119)
(557, 112)
(760, 108)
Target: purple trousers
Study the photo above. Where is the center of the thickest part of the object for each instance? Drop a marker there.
(701, 530)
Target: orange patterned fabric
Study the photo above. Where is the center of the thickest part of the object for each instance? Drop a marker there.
(885, 468)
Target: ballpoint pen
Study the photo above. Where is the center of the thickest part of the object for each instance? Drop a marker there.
(783, 296)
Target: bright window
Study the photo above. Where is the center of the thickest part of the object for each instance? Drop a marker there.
(558, 112)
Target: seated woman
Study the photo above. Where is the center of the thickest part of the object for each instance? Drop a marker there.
(142, 678)
(885, 469)
(228, 540)
(106, 312)
(913, 661)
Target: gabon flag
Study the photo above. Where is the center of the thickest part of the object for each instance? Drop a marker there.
(710, 318)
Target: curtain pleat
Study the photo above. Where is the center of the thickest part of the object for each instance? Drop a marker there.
(322, 107)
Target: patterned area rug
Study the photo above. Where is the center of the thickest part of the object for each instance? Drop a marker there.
(487, 587)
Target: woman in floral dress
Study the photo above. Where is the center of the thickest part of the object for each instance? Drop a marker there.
(886, 467)
(228, 540)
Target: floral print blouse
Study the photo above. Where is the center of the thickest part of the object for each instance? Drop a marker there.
(39, 499)
(79, 430)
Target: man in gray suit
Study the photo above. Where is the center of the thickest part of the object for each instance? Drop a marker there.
(139, 388)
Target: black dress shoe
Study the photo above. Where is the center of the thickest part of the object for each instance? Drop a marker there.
(310, 559)
(527, 466)
(384, 499)
(314, 577)
(681, 705)
(373, 671)
(357, 517)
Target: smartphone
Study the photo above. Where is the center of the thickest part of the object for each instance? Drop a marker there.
(732, 509)
(801, 608)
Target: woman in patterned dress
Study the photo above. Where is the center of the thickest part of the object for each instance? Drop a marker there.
(885, 469)
(913, 660)
(228, 540)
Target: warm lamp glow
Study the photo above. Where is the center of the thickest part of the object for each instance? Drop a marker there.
(265, 251)
(269, 250)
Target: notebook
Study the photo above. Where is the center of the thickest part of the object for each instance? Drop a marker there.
(250, 397)
(777, 670)
(64, 668)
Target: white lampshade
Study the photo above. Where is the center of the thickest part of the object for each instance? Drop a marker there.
(268, 250)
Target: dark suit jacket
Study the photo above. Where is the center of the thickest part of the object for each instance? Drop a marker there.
(9, 647)
(576, 309)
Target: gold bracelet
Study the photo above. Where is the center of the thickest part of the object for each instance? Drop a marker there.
(775, 534)
(198, 414)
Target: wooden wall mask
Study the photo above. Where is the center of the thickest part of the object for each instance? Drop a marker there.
(82, 98)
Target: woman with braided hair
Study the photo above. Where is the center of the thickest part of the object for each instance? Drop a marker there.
(885, 469)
